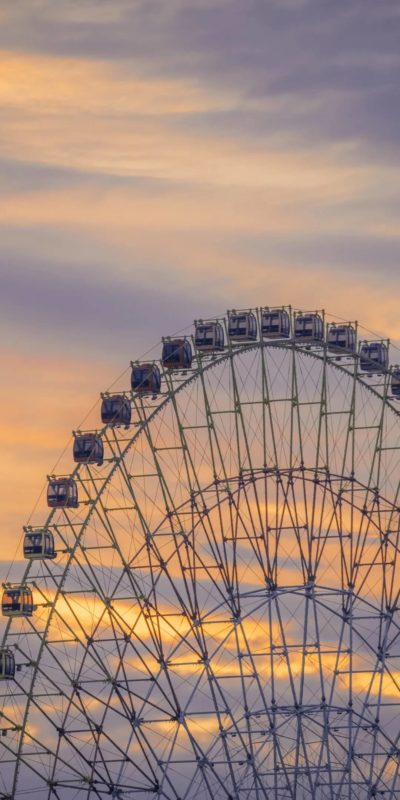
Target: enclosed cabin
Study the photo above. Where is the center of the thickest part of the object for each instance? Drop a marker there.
(341, 339)
(309, 328)
(62, 493)
(275, 323)
(146, 379)
(88, 449)
(242, 326)
(374, 357)
(395, 381)
(17, 601)
(176, 354)
(39, 545)
(7, 664)
(209, 336)
(116, 410)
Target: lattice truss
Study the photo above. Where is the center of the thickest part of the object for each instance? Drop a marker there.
(221, 620)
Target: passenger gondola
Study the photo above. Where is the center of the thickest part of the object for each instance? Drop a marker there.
(209, 336)
(395, 381)
(309, 328)
(341, 338)
(88, 449)
(176, 354)
(39, 544)
(374, 357)
(17, 601)
(275, 323)
(146, 379)
(7, 664)
(116, 410)
(62, 493)
(242, 326)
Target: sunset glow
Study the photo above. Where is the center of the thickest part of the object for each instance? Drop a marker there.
(206, 604)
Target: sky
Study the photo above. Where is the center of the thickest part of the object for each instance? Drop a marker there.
(162, 161)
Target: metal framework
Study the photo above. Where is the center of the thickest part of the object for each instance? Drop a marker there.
(221, 620)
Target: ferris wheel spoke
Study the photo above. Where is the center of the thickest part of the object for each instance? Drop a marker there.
(218, 464)
(291, 682)
(250, 748)
(193, 484)
(326, 745)
(242, 432)
(218, 554)
(268, 428)
(364, 721)
(375, 469)
(296, 431)
(289, 519)
(172, 512)
(270, 711)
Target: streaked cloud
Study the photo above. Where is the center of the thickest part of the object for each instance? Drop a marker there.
(164, 161)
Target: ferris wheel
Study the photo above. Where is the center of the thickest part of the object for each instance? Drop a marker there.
(211, 609)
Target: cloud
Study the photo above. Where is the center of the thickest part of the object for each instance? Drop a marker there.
(341, 58)
(149, 127)
(113, 316)
(92, 87)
